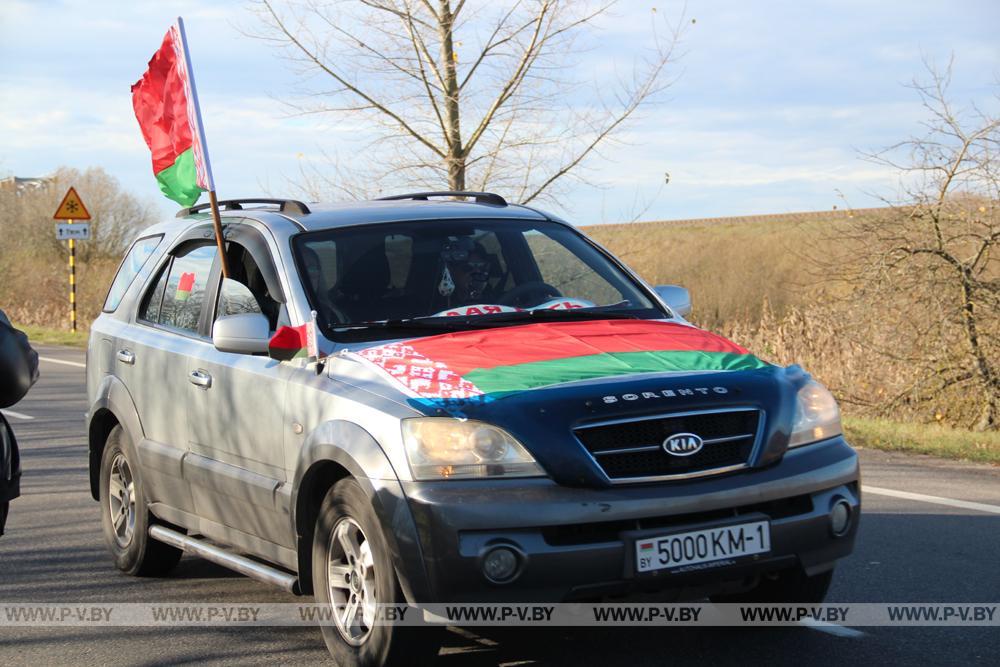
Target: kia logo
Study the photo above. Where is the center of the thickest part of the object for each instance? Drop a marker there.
(683, 444)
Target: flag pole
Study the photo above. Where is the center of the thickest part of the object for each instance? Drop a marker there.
(202, 147)
(217, 224)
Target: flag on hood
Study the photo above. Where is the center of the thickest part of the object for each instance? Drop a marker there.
(495, 362)
(166, 105)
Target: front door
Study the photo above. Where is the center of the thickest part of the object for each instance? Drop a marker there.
(236, 461)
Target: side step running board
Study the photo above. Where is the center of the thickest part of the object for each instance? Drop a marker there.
(245, 566)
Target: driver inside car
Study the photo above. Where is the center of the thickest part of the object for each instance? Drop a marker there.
(466, 273)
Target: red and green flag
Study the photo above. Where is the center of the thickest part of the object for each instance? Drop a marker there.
(496, 362)
(290, 343)
(184, 287)
(166, 105)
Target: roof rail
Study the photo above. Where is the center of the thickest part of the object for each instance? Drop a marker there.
(480, 197)
(284, 206)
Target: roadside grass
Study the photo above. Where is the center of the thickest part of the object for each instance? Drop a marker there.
(933, 439)
(50, 336)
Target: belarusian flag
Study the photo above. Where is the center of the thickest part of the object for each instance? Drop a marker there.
(184, 287)
(496, 362)
(294, 342)
(166, 105)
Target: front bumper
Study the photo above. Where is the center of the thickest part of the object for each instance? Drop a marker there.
(573, 542)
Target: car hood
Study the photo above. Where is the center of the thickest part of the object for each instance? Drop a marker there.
(542, 381)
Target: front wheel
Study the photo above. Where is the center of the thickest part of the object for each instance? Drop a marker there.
(785, 587)
(125, 516)
(353, 573)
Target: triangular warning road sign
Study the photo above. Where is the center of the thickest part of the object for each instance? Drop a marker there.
(72, 208)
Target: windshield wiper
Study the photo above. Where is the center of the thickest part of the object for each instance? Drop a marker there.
(405, 323)
(453, 322)
(593, 312)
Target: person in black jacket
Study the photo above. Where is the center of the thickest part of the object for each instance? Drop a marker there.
(18, 371)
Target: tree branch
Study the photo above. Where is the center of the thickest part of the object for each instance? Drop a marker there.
(349, 86)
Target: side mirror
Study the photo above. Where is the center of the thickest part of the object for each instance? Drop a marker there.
(246, 333)
(678, 299)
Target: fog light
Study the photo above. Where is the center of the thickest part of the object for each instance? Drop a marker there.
(840, 517)
(500, 565)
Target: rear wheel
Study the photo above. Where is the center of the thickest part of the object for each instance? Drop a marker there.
(125, 516)
(352, 572)
(787, 586)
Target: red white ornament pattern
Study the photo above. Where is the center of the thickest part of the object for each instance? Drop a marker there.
(422, 376)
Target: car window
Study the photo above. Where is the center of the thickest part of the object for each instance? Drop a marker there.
(245, 290)
(235, 298)
(149, 311)
(180, 290)
(405, 270)
(135, 259)
(567, 272)
(399, 252)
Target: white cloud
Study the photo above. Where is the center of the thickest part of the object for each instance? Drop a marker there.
(773, 102)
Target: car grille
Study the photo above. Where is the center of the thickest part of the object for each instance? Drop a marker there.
(633, 450)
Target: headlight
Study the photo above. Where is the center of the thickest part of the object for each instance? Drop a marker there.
(817, 416)
(444, 448)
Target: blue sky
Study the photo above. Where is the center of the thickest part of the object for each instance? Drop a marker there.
(772, 102)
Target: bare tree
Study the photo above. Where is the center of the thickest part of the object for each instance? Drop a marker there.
(33, 271)
(116, 214)
(932, 262)
(476, 95)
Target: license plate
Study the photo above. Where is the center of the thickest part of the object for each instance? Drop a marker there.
(702, 546)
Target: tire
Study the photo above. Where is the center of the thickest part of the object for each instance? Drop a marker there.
(125, 516)
(347, 516)
(787, 586)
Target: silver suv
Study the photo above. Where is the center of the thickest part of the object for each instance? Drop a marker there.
(496, 410)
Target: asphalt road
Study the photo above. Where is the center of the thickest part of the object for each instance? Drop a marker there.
(908, 551)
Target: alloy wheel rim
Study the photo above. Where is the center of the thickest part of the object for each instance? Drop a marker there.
(351, 577)
(121, 500)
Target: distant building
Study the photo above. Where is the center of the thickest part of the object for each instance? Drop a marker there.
(19, 185)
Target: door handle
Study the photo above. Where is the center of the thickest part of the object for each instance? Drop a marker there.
(200, 378)
(126, 357)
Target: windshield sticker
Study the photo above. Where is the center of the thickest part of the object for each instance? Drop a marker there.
(505, 360)
(565, 304)
(496, 309)
(478, 309)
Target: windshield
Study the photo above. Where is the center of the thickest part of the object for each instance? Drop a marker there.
(458, 269)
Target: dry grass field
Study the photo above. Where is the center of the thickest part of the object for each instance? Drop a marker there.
(733, 266)
(760, 280)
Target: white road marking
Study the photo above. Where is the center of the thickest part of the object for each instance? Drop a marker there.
(62, 361)
(937, 500)
(17, 415)
(483, 641)
(831, 628)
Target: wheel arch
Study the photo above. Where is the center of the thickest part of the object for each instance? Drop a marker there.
(113, 407)
(338, 450)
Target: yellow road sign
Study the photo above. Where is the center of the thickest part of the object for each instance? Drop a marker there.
(72, 207)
